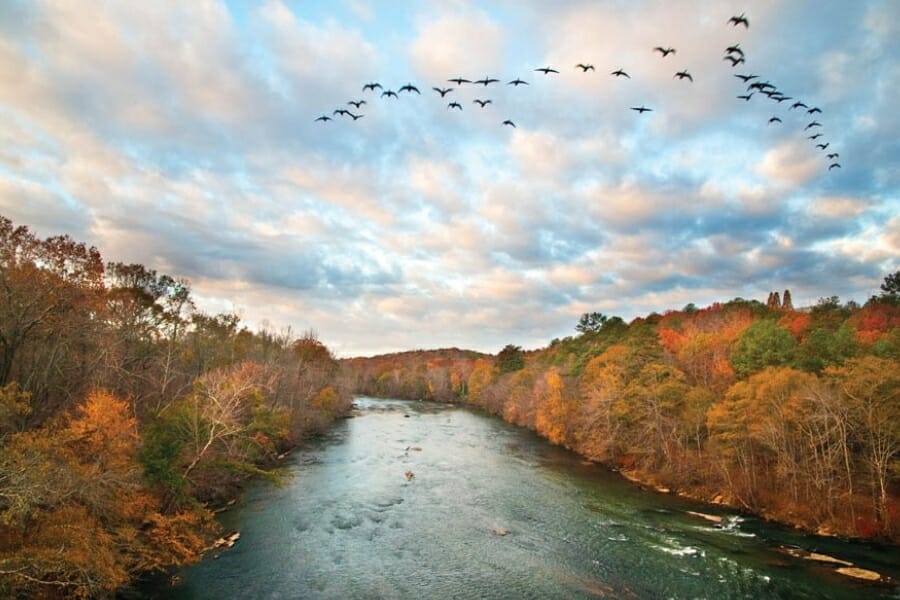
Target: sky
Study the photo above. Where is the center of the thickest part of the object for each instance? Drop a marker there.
(183, 136)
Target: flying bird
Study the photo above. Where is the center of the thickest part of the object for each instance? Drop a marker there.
(746, 96)
(734, 61)
(620, 73)
(585, 67)
(745, 78)
(834, 165)
(833, 155)
(740, 20)
(324, 118)
(813, 124)
(455, 105)
(459, 80)
(356, 117)
(779, 98)
(823, 146)
(410, 88)
(517, 82)
(356, 103)
(736, 49)
(683, 75)
(814, 137)
(371, 86)
(482, 103)
(486, 81)
(341, 111)
(442, 91)
(814, 110)
(510, 123)
(388, 93)
(664, 51)
(798, 104)
(774, 120)
(641, 109)
(547, 70)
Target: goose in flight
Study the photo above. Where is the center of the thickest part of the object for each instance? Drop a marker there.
(442, 91)
(664, 51)
(510, 123)
(547, 70)
(517, 82)
(641, 109)
(834, 166)
(833, 155)
(683, 75)
(814, 110)
(410, 88)
(371, 86)
(774, 120)
(745, 78)
(797, 104)
(823, 146)
(356, 103)
(389, 94)
(459, 80)
(620, 73)
(456, 105)
(585, 67)
(482, 103)
(486, 81)
(356, 117)
(341, 111)
(746, 96)
(813, 124)
(734, 61)
(324, 118)
(736, 49)
(740, 20)
(814, 137)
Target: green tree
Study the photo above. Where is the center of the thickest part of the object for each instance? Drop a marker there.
(510, 359)
(763, 344)
(591, 322)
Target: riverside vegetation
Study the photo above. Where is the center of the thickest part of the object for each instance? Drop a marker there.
(790, 414)
(126, 414)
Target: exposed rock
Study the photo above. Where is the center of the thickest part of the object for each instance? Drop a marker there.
(410, 475)
(500, 532)
(663, 490)
(859, 573)
(415, 448)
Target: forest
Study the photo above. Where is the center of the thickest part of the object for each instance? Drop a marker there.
(792, 414)
(127, 416)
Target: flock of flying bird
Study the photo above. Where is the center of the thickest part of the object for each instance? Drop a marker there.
(733, 54)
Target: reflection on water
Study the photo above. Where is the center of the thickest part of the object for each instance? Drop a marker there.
(493, 512)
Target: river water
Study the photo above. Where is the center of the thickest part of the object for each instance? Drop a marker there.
(350, 524)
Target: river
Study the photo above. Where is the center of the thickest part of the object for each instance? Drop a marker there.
(493, 511)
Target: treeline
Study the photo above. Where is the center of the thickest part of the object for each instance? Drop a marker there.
(125, 413)
(793, 414)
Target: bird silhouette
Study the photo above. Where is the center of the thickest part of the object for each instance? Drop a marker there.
(356, 117)
(442, 91)
(324, 118)
(814, 137)
(456, 105)
(371, 86)
(517, 82)
(823, 146)
(683, 75)
(736, 49)
(585, 67)
(746, 96)
(779, 98)
(745, 78)
(797, 104)
(459, 80)
(547, 70)
(834, 166)
(410, 88)
(833, 155)
(508, 122)
(740, 20)
(641, 109)
(482, 103)
(813, 124)
(664, 51)
(341, 111)
(486, 81)
(356, 103)
(814, 110)
(620, 73)
(389, 94)
(774, 120)
(734, 61)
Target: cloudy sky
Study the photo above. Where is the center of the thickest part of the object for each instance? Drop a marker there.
(182, 135)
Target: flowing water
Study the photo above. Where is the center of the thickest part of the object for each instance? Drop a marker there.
(493, 511)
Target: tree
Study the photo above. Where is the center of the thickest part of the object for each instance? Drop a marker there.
(591, 322)
(510, 359)
(763, 344)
